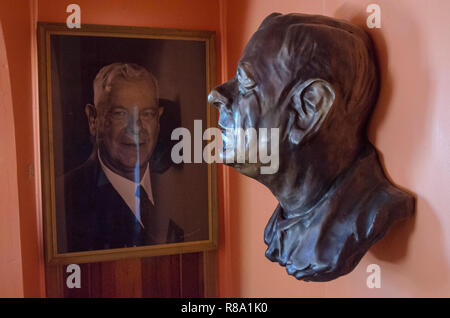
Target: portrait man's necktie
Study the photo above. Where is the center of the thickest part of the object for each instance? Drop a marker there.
(147, 213)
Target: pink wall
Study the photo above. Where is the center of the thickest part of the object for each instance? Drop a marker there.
(183, 14)
(21, 251)
(15, 17)
(410, 128)
(10, 256)
(195, 14)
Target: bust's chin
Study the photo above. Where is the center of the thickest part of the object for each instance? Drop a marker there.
(251, 170)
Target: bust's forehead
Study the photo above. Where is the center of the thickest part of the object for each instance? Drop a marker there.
(264, 42)
(261, 57)
(297, 47)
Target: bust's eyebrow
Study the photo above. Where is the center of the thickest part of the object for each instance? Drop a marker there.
(244, 74)
(245, 68)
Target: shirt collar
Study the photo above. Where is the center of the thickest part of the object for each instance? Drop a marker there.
(127, 188)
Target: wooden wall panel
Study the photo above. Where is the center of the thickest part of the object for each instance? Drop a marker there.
(191, 275)
(160, 276)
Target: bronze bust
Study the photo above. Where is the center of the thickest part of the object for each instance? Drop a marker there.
(314, 78)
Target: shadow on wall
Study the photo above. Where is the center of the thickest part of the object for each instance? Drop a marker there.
(393, 247)
(397, 237)
(416, 103)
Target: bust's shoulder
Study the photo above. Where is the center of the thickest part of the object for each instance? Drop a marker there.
(376, 203)
(387, 205)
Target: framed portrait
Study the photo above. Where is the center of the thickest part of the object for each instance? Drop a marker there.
(110, 99)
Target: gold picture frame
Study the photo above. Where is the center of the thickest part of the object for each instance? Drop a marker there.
(55, 49)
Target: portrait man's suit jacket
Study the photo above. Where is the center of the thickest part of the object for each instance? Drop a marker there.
(94, 216)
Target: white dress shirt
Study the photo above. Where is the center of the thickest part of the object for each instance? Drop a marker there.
(127, 188)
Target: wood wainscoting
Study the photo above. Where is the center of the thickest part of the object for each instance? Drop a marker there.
(181, 275)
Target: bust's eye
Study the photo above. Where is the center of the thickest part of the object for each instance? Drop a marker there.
(246, 81)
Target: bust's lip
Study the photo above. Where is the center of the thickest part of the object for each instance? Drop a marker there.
(226, 121)
(224, 129)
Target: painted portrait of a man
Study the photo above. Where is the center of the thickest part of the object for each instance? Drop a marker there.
(109, 199)
(113, 189)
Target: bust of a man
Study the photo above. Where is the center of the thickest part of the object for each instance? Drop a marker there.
(315, 79)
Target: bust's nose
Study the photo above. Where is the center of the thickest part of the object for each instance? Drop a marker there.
(216, 99)
(222, 95)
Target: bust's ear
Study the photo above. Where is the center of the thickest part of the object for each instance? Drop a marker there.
(311, 102)
(91, 114)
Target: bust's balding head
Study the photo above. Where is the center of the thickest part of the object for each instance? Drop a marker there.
(312, 77)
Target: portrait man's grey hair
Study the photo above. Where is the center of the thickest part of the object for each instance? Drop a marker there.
(316, 79)
(108, 74)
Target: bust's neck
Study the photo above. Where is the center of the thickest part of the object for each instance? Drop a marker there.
(303, 182)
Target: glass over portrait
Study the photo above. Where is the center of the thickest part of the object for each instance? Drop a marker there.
(109, 107)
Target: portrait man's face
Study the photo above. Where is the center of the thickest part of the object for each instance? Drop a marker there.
(128, 126)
